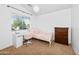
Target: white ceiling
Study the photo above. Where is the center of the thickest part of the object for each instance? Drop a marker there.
(47, 8)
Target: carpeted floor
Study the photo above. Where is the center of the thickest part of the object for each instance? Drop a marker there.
(39, 48)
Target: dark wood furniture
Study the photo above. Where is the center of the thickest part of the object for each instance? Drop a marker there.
(61, 35)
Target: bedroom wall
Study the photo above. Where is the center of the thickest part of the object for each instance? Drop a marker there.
(47, 22)
(5, 28)
(34, 21)
(75, 28)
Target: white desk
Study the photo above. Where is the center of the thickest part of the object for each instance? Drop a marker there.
(18, 37)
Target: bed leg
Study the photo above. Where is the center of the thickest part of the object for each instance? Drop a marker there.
(49, 44)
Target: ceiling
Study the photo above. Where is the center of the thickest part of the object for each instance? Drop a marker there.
(46, 8)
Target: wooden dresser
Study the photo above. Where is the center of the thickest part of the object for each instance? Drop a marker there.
(61, 35)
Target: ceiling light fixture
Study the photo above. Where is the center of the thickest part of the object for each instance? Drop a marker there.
(36, 8)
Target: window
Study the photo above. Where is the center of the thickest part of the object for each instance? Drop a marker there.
(20, 22)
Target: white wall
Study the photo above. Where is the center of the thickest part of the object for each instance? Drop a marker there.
(75, 28)
(47, 22)
(34, 21)
(5, 28)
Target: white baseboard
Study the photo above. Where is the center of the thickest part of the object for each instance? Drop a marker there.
(6, 46)
(76, 52)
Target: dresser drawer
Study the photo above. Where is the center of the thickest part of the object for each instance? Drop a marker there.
(61, 35)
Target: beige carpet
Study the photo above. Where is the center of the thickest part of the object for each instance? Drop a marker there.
(39, 48)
